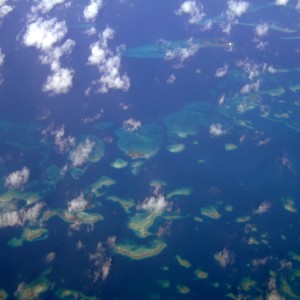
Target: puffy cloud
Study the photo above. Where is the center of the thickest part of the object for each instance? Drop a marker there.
(5, 8)
(222, 71)
(20, 217)
(237, 8)
(153, 203)
(91, 11)
(193, 9)
(217, 129)
(17, 180)
(298, 5)
(131, 125)
(108, 64)
(77, 205)
(281, 2)
(44, 35)
(60, 82)
(45, 6)
(262, 29)
(80, 154)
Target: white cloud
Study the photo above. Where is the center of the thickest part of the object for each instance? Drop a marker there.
(222, 71)
(17, 180)
(131, 125)
(250, 87)
(153, 203)
(237, 8)
(60, 82)
(77, 205)
(45, 6)
(262, 29)
(217, 129)
(193, 9)
(20, 217)
(108, 64)
(298, 5)
(62, 142)
(80, 154)
(2, 57)
(90, 31)
(281, 2)
(44, 35)
(171, 79)
(183, 53)
(91, 11)
(5, 8)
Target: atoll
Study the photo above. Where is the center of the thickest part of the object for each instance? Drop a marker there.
(137, 252)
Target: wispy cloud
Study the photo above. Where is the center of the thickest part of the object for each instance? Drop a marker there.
(81, 153)
(5, 9)
(222, 71)
(131, 125)
(281, 2)
(2, 57)
(45, 6)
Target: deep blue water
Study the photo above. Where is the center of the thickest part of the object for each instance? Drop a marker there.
(264, 167)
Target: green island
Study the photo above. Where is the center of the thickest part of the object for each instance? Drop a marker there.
(243, 219)
(164, 283)
(185, 191)
(35, 289)
(72, 294)
(176, 148)
(289, 204)
(99, 184)
(119, 163)
(200, 274)
(141, 222)
(210, 212)
(183, 289)
(30, 234)
(183, 262)
(28, 197)
(136, 167)
(126, 204)
(247, 284)
(137, 252)
(79, 217)
(3, 294)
